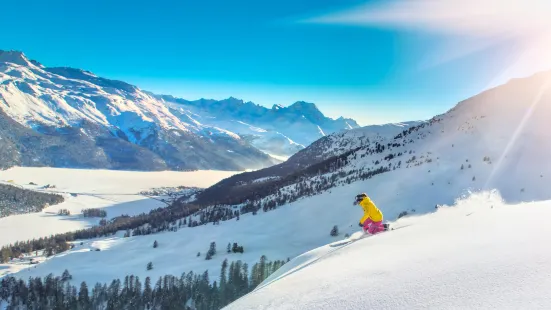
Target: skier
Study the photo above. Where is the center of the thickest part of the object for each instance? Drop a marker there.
(372, 221)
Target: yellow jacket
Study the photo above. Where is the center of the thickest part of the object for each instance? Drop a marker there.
(370, 211)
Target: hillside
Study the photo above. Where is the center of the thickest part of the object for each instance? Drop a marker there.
(465, 257)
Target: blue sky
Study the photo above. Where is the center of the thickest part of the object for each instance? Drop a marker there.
(268, 52)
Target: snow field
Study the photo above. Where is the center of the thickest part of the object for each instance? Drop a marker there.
(480, 254)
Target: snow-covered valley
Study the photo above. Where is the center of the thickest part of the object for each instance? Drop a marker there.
(117, 192)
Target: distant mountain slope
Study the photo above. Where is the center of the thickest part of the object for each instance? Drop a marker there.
(280, 130)
(67, 117)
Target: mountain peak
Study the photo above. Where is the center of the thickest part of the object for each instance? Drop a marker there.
(15, 57)
(303, 105)
(234, 100)
(307, 109)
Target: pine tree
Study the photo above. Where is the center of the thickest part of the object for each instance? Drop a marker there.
(66, 275)
(335, 231)
(149, 266)
(212, 248)
(223, 283)
(83, 298)
(155, 244)
(262, 268)
(147, 292)
(245, 272)
(229, 248)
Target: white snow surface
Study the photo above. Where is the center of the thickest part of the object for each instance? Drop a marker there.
(115, 191)
(480, 254)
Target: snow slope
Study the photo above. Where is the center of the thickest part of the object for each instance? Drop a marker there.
(481, 254)
(115, 191)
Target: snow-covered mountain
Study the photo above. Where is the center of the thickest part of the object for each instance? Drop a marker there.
(280, 131)
(492, 149)
(72, 118)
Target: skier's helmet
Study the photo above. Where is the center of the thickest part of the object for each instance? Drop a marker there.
(359, 198)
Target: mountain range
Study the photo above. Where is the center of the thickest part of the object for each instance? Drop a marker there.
(66, 117)
(475, 166)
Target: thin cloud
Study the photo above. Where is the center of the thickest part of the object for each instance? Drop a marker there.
(476, 18)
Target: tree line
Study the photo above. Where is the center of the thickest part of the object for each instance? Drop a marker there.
(94, 212)
(16, 200)
(189, 291)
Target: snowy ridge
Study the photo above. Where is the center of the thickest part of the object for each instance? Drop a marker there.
(346, 140)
